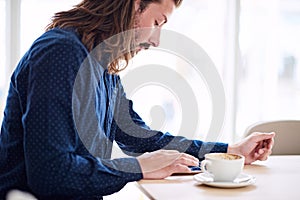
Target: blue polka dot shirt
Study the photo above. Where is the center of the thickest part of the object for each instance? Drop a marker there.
(62, 114)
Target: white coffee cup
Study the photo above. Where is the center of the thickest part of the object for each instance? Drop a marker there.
(223, 167)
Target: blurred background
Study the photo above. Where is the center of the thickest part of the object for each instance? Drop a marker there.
(254, 44)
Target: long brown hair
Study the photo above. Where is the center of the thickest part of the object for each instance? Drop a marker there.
(97, 20)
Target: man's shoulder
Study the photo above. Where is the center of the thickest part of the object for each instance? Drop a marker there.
(55, 50)
(58, 37)
(55, 44)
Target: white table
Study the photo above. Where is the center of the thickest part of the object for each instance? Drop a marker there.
(276, 178)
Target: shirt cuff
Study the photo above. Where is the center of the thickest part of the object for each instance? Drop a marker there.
(212, 147)
(127, 168)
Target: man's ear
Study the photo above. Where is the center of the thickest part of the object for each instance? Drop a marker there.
(137, 4)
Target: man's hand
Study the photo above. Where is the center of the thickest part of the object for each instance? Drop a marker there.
(162, 163)
(257, 146)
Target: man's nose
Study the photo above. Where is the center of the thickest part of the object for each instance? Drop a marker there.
(155, 37)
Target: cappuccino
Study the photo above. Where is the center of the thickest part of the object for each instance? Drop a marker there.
(223, 166)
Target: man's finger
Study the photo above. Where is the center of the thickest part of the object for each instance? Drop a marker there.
(262, 136)
(264, 153)
(178, 168)
(190, 157)
(270, 143)
(187, 162)
(261, 151)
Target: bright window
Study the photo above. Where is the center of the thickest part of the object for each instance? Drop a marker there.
(269, 76)
(3, 77)
(36, 15)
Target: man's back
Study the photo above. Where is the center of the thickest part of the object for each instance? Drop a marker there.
(13, 164)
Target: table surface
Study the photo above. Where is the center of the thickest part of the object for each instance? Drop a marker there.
(276, 178)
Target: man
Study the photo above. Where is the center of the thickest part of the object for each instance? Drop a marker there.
(49, 145)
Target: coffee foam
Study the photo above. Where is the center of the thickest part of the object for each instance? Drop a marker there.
(225, 156)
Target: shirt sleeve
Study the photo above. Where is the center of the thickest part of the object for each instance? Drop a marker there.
(135, 137)
(56, 161)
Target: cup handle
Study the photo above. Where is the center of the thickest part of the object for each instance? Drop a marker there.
(203, 166)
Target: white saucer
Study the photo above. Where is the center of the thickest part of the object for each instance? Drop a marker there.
(241, 181)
